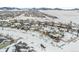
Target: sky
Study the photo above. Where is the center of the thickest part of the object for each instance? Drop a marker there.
(66, 4)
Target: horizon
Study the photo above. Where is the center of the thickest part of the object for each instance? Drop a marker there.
(38, 7)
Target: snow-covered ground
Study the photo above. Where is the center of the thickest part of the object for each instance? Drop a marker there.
(42, 37)
(64, 16)
(34, 39)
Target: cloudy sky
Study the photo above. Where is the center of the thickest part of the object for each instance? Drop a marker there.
(40, 3)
